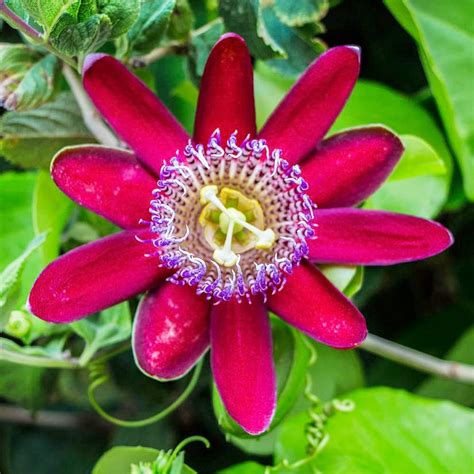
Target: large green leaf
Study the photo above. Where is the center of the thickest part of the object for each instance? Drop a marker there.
(445, 36)
(51, 209)
(113, 325)
(450, 389)
(244, 468)
(31, 138)
(27, 78)
(119, 459)
(389, 431)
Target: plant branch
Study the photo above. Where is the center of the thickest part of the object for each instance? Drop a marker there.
(418, 360)
(66, 362)
(158, 53)
(91, 117)
(51, 419)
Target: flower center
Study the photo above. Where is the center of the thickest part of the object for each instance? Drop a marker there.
(232, 221)
(230, 224)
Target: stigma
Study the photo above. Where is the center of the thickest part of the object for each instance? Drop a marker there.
(231, 219)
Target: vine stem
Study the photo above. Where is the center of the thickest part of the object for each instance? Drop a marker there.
(418, 360)
(90, 115)
(157, 53)
(52, 419)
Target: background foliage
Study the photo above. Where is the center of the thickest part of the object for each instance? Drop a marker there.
(417, 70)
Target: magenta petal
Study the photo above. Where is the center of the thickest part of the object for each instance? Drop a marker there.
(93, 277)
(242, 363)
(226, 93)
(360, 237)
(171, 331)
(108, 181)
(132, 110)
(305, 115)
(350, 166)
(312, 304)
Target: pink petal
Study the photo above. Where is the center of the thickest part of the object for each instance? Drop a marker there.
(305, 115)
(226, 93)
(360, 237)
(132, 110)
(311, 303)
(108, 181)
(93, 277)
(242, 363)
(348, 167)
(171, 331)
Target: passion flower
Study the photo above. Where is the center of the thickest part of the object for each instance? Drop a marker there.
(222, 226)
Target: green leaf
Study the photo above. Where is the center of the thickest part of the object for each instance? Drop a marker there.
(241, 17)
(297, 51)
(346, 278)
(181, 21)
(119, 459)
(122, 14)
(419, 159)
(112, 325)
(336, 372)
(31, 138)
(79, 38)
(292, 357)
(270, 88)
(299, 13)
(423, 194)
(244, 468)
(151, 25)
(27, 78)
(459, 392)
(445, 39)
(46, 12)
(389, 431)
(51, 210)
(420, 167)
(202, 43)
(10, 280)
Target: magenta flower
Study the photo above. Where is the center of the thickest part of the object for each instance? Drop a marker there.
(230, 218)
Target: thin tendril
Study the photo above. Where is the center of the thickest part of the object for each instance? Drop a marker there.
(99, 376)
(180, 447)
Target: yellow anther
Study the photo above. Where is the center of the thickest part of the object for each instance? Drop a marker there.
(207, 193)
